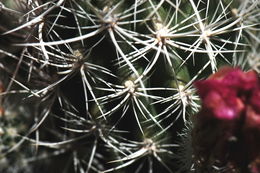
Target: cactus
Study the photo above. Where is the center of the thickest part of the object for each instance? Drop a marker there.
(108, 86)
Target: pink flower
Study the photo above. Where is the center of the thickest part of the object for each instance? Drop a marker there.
(226, 93)
(227, 127)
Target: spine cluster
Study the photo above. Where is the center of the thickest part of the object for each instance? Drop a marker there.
(107, 86)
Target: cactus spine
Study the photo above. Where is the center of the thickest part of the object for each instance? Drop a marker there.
(107, 86)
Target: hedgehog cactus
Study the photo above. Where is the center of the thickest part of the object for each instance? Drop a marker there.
(107, 86)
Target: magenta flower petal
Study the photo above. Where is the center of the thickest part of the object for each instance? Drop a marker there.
(252, 119)
(255, 100)
(239, 80)
(219, 93)
(229, 116)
